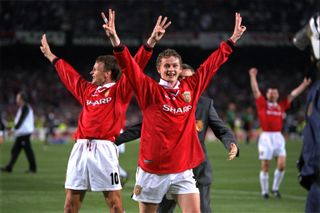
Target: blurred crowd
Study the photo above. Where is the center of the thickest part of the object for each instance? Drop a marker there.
(284, 67)
(54, 105)
(137, 16)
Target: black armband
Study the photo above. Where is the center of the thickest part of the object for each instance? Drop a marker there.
(119, 48)
(55, 60)
(231, 44)
(147, 47)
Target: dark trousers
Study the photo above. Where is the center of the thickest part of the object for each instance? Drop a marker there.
(22, 142)
(167, 206)
(313, 199)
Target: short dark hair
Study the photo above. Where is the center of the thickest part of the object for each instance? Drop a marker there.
(166, 54)
(187, 66)
(24, 96)
(271, 85)
(110, 63)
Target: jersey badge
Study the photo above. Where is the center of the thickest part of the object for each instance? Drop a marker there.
(186, 96)
(137, 190)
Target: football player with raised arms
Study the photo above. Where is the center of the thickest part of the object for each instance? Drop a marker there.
(93, 164)
(271, 141)
(169, 146)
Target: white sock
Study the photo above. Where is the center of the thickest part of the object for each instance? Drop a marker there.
(264, 182)
(123, 173)
(277, 179)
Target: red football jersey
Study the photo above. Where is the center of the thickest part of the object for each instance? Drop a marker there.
(103, 107)
(169, 141)
(271, 114)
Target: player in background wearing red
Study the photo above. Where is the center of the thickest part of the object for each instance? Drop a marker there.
(271, 141)
(169, 146)
(93, 164)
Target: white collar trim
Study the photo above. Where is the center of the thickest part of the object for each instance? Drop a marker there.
(108, 85)
(167, 85)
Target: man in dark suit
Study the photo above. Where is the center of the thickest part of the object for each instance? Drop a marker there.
(206, 116)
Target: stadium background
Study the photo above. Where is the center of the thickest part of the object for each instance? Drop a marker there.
(74, 31)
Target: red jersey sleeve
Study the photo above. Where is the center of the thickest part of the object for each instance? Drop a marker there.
(142, 58)
(140, 83)
(209, 67)
(285, 104)
(261, 102)
(72, 80)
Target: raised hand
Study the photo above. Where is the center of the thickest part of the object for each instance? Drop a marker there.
(253, 71)
(109, 27)
(238, 29)
(306, 81)
(232, 152)
(158, 31)
(45, 48)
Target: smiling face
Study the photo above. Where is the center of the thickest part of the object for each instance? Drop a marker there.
(99, 75)
(170, 69)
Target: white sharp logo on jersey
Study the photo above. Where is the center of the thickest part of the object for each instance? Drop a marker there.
(168, 108)
(275, 113)
(98, 102)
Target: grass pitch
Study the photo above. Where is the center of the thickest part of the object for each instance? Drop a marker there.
(235, 188)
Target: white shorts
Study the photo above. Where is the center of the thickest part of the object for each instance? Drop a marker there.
(151, 188)
(271, 144)
(93, 165)
(122, 148)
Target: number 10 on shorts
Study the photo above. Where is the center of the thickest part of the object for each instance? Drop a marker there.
(114, 178)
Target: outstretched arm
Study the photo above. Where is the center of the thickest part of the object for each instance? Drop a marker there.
(139, 82)
(73, 81)
(211, 65)
(45, 49)
(297, 91)
(238, 29)
(254, 83)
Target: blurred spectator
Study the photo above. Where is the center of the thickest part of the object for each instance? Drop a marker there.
(23, 128)
(202, 15)
(247, 120)
(2, 128)
(231, 115)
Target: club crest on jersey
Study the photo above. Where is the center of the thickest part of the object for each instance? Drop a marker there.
(199, 125)
(186, 96)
